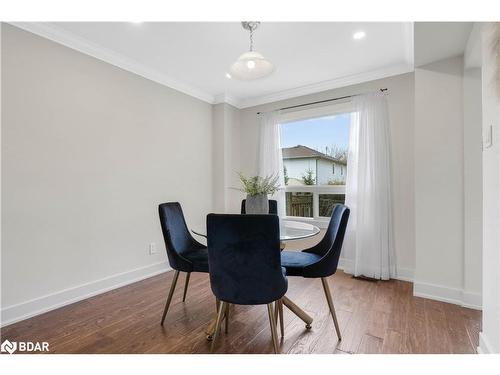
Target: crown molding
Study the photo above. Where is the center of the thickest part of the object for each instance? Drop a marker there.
(327, 85)
(83, 45)
(87, 47)
(228, 99)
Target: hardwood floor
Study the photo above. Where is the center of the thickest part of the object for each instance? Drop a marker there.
(374, 317)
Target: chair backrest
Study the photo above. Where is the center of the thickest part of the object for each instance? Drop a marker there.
(330, 246)
(273, 206)
(176, 235)
(244, 258)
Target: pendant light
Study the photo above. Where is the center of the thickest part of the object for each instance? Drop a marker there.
(251, 65)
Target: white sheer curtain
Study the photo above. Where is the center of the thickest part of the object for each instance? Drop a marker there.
(270, 156)
(369, 239)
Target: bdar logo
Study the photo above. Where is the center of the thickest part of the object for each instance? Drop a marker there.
(9, 347)
(24, 346)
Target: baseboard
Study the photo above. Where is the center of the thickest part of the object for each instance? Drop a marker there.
(431, 291)
(15, 313)
(472, 300)
(404, 274)
(437, 292)
(446, 294)
(484, 346)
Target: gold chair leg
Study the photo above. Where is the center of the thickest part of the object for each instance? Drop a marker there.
(329, 299)
(186, 286)
(220, 314)
(272, 322)
(227, 318)
(211, 327)
(276, 309)
(282, 323)
(170, 294)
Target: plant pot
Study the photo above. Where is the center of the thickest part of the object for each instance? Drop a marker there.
(257, 204)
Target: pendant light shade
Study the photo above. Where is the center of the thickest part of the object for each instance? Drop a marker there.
(251, 65)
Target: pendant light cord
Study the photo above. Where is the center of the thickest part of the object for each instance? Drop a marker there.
(250, 26)
(251, 39)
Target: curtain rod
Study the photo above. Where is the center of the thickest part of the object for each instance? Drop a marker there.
(320, 101)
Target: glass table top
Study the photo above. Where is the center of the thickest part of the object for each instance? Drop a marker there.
(289, 230)
(296, 230)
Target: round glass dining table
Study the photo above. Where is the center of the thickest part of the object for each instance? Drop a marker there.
(296, 230)
(289, 230)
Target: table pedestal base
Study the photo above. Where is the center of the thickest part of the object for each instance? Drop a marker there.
(286, 301)
(211, 328)
(298, 311)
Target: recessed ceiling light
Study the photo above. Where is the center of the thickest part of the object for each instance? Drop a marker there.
(358, 35)
(228, 76)
(137, 22)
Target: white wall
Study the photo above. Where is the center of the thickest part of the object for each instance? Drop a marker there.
(226, 158)
(473, 186)
(88, 153)
(448, 182)
(439, 192)
(220, 135)
(401, 115)
(489, 340)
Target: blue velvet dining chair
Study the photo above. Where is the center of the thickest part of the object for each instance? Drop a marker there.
(184, 253)
(245, 264)
(273, 206)
(273, 210)
(321, 261)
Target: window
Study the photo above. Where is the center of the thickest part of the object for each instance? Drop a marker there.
(299, 204)
(328, 201)
(315, 159)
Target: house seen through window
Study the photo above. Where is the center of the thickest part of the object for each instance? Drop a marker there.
(315, 164)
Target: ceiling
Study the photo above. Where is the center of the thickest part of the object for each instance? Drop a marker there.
(436, 41)
(193, 57)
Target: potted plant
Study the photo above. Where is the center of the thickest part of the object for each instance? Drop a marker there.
(258, 188)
